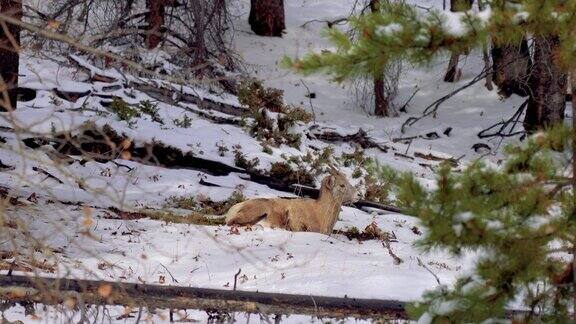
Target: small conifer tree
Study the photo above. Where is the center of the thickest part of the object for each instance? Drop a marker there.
(520, 217)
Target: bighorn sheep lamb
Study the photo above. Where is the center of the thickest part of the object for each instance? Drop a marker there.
(299, 215)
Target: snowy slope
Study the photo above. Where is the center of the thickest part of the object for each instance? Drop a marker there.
(144, 250)
(469, 112)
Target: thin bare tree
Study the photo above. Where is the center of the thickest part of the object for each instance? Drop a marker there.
(452, 72)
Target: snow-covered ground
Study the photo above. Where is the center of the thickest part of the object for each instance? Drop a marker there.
(468, 112)
(118, 314)
(93, 243)
(144, 250)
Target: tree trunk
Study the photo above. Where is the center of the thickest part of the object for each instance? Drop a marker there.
(548, 86)
(452, 72)
(198, 44)
(9, 56)
(488, 68)
(380, 100)
(267, 17)
(511, 66)
(155, 21)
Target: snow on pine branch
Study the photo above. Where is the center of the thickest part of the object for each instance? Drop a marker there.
(401, 31)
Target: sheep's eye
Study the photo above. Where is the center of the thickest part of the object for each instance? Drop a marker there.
(341, 186)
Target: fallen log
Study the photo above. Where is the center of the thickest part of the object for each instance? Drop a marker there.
(375, 205)
(53, 291)
(171, 96)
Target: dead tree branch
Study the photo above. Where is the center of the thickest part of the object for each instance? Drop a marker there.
(433, 108)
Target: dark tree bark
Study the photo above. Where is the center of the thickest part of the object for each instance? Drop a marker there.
(155, 21)
(548, 86)
(511, 65)
(452, 71)
(380, 100)
(9, 57)
(198, 44)
(267, 17)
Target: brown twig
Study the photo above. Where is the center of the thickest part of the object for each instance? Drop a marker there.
(236, 278)
(310, 100)
(170, 273)
(420, 263)
(47, 174)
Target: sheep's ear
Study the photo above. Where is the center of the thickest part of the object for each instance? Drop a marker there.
(330, 182)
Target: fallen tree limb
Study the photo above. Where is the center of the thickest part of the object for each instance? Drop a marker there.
(361, 138)
(501, 126)
(375, 205)
(329, 23)
(431, 157)
(433, 108)
(51, 291)
(47, 174)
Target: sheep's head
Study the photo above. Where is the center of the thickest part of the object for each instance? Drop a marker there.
(339, 187)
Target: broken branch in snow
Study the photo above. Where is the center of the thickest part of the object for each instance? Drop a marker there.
(404, 156)
(47, 174)
(512, 122)
(329, 23)
(433, 107)
(428, 136)
(361, 138)
(405, 105)
(370, 204)
(120, 165)
(170, 273)
(431, 157)
(397, 259)
(386, 238)
(236, 278)
(420, 263)
(310, 100)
